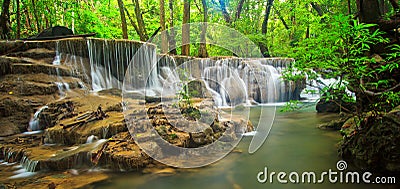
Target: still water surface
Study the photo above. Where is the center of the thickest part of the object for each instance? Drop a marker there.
(294, 144)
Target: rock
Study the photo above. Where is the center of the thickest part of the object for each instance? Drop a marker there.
(28, 68)
(250, 126)
(197, 89)
(372, 142)
(336, 124)
(37, 54)
(330, 106)
(234, 92)
(327, 107)
(54, 32)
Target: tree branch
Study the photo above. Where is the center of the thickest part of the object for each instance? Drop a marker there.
(317, 8)
(389, 24)
(371, 93)
(239, 9)
(133, 23)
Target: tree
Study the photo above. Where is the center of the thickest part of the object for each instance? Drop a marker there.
(123, 19)
(18, 20)
(225, 13)
(164, 39)
(239, 9)
(186, 28)
(140, 21)
(35, 13)
(203, 46)
(171, 35)
(5, 20)
(264, 28)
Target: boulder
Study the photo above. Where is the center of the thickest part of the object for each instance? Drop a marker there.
(54, 32)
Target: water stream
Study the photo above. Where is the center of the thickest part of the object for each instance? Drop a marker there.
(294, 144)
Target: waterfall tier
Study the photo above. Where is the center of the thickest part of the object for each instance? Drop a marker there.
(231, 81)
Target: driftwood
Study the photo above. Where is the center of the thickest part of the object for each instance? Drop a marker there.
(96, 159)
(87, 117)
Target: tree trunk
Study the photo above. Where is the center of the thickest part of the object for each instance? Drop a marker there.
(264, 28)
(368, 10)
(5, 20)
(18, 35)
(239, 9)
(282, 19)
(139, 19)
(123, 19)
(317, 8)
(28, 20)
(348, 7)
(171, 36)
(186, 28)
(36, 16)
(142, 38)
(203, 43)
(222, 5)
(164, 40)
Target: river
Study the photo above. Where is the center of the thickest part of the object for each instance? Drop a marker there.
(294, 144)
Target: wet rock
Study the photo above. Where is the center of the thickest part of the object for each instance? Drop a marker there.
(197, 89)
(115, 92)
(35, 84)
(336, 124)
(15, 114)
(5, 66)
(371, 143)
(37, 53)
(26, 68)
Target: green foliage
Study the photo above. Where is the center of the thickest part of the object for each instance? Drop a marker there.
(172, 136)
(340, 51)
(291, 106)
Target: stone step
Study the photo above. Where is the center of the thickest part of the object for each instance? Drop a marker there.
(36, 84)
(29, 68)
(37, 54)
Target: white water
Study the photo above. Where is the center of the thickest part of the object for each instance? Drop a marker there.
(34, 123)
(26, 168)
(91, 139)
(230, 81)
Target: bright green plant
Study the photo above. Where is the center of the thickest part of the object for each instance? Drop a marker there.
(340, 50)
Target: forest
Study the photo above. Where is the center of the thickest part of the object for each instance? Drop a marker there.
(355, 43)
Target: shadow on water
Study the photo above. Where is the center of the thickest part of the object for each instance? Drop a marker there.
(294, 144)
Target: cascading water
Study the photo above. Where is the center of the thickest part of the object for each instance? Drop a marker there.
(29, 165)
(236, 81)
(91, 139)
(34, 123)
(231, 81)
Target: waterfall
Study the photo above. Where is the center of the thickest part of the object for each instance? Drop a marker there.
(235, 81)
(91, 139)
(27, 168)
(28, 165)
(34, 123)
(231, 81)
